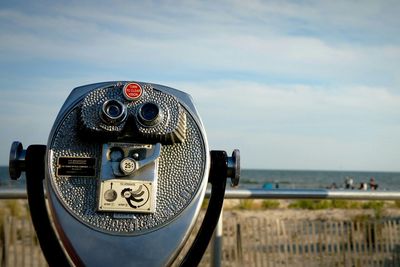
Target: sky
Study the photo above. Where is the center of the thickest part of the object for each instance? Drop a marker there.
(299, 85)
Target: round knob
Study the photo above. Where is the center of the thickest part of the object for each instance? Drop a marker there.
(222, 166)
(110, 195)
(17, 160)
(233, 170)
(127, 166)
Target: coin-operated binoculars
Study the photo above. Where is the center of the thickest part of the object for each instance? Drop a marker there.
(126, 168)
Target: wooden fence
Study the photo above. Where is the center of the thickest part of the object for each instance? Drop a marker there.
(19, 245)
(258, 241)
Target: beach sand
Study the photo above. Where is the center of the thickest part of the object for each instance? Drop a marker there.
(231, 206)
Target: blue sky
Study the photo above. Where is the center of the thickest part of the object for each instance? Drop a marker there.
(292, 84)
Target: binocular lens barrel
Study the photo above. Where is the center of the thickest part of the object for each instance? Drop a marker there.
(149, 114)
(113, 112)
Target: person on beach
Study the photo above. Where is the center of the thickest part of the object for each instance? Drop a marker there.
(363, 186)
(333, 186)
(349, 182)
(372, 184)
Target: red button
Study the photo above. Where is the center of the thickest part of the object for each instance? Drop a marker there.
(132, 91)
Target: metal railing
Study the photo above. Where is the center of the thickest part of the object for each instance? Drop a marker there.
(13, 193)
(20, 193)
(309, 194)
(8, 193)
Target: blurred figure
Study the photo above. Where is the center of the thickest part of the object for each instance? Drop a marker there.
(268, 186)
(372, 184)
(333, 186)
(349, 182)
(363, 186)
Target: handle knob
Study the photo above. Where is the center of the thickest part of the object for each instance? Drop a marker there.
(223, 166)
(233, 170)
(16, 163)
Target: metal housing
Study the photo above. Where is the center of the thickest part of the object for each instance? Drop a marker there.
(95, 238)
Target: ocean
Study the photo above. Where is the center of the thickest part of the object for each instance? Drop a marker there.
(284, 179)
(302, 179)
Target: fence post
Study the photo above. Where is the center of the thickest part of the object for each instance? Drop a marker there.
(216, 251)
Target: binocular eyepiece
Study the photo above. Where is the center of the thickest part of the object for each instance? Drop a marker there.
(126, 168)
(149, 114)
(113, 112)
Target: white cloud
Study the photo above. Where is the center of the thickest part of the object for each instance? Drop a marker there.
(301, 126)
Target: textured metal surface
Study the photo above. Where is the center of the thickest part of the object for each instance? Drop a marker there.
(181, 165)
